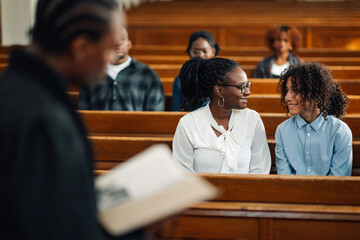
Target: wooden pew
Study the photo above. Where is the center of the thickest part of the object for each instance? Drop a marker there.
(272, 207)
(322, 24)
(263, 103)
(122, 123)
(263, 86)
(176, 50)
(270, 103)
(246, 60)
(341, 72)
(281, 189)
(262, 221)
(110, 151)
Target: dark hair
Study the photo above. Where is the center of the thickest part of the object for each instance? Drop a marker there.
(314, 83)
(294, 36)
(205, 35)
(58, 23)
(199, 76)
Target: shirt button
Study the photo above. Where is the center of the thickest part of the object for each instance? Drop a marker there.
(115, 83)
(308, 134)
(309, 169)
(114, 97)
(307, 152)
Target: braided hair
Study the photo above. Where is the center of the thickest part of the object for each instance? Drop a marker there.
(199, 76)
(59, 22)
(314, 83)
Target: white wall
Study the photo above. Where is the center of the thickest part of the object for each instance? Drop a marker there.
(17, 16)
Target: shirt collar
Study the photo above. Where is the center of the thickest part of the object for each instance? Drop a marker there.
(316, 124)
(113, 70)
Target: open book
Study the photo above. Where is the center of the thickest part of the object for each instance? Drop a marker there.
(146, 188)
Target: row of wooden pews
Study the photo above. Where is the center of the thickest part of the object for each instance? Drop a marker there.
(272, 207)
(116, 136)
(249, 207)
(341, 72)
(246, 60)
(264, 96)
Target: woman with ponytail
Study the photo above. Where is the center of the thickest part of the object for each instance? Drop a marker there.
(223, 136)
(314, 141)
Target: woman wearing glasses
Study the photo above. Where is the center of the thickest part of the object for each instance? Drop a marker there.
(201, 44)
(223, 136)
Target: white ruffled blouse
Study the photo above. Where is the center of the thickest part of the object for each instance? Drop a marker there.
(242, 148)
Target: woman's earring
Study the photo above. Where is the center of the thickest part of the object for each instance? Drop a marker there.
(223, 101)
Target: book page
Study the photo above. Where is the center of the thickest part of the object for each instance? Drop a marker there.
(146, 188)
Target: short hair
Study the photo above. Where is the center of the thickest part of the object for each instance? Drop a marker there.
(199, 76)
(293, 33)
(314, 83)
(59, 22)
(205, 35)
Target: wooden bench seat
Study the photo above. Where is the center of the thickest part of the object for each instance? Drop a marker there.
(282, 189)
(272, 207)
(262, 103)
(225, 220)
(341, 72)
(110, 150)
(122, 123)
(246, 60)
(322, 25)
(262, 86)
(179, 50)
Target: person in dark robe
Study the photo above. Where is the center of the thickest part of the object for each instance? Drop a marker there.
(46, 174)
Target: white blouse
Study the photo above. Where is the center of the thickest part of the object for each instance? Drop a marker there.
(243, 148)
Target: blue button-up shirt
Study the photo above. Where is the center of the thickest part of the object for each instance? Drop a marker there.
(322, 147)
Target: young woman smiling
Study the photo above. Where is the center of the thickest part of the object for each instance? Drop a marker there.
(314, 141)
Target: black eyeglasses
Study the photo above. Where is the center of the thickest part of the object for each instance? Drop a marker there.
(241, 87)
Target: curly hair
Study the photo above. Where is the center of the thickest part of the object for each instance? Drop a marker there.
(314, 83)
(293, 33)
(199, 76)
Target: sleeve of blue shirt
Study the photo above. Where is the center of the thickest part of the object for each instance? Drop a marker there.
(282, 164)
(177, 95)
(341, 164)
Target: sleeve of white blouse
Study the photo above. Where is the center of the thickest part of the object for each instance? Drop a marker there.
(183, 150)
(282, 163)
(260, 154)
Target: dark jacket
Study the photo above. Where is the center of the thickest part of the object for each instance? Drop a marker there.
(46, 174)
(263, 69)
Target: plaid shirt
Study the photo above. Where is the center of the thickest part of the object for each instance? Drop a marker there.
(136, 88)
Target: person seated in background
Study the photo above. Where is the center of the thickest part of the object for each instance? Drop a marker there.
(282, 41)
(223, 136)
(129, 85)
(314, 141)
(201, 44)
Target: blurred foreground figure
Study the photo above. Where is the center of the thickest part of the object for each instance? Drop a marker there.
(46, 162)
